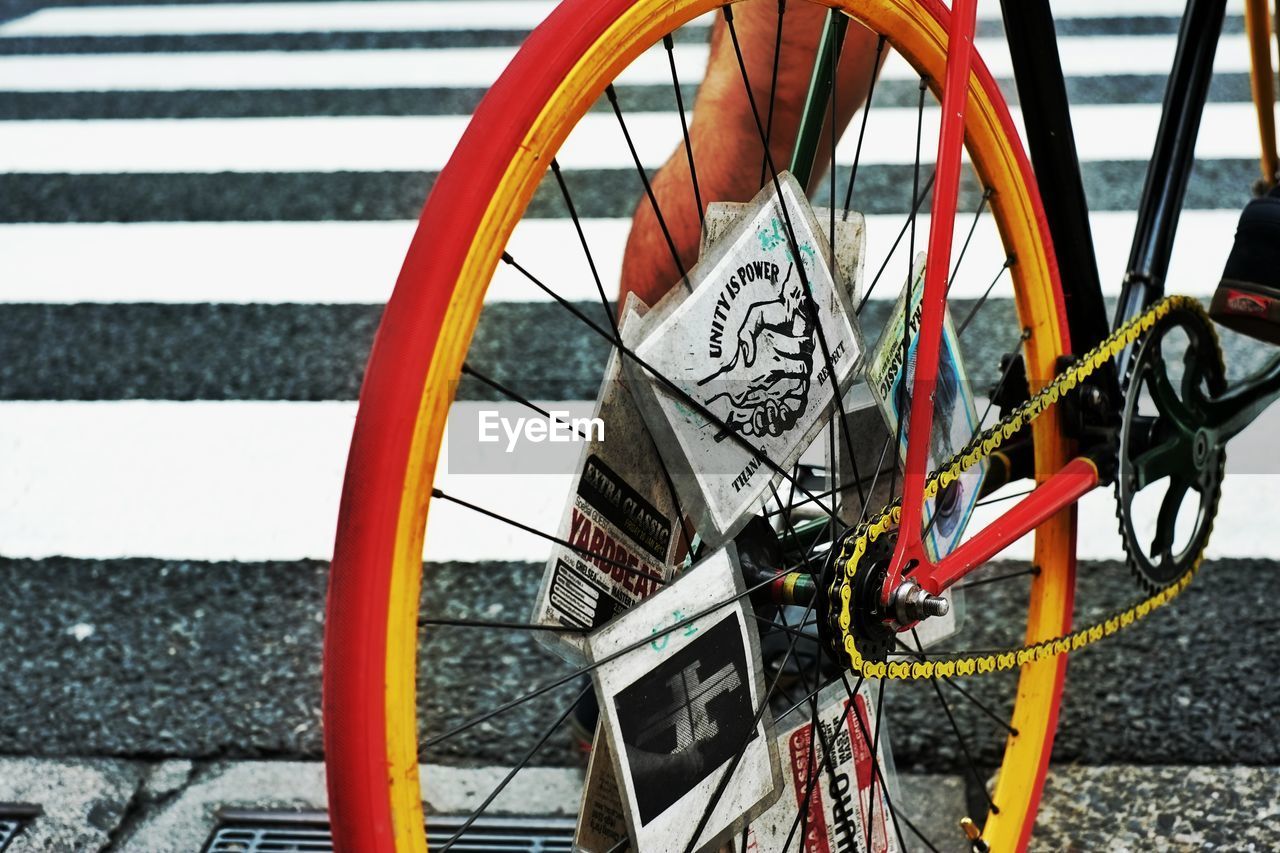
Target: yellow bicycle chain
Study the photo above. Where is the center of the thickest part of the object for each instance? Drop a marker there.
(981, 446)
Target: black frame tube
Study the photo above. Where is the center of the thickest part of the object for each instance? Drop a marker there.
(1042, 95)
(1173, 157)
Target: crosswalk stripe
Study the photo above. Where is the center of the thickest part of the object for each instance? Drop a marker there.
(451, 101)
(501, 36)
(1081, 56)
(395, 15)
(597, 193)
(260, 481)
(357, 262)
(203, 18)
(425, 143)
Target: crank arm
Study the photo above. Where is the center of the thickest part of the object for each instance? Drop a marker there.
(1242, 402)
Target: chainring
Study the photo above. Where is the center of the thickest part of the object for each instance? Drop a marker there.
(1164, 439)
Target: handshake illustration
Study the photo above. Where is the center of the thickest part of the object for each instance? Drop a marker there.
(766, 382)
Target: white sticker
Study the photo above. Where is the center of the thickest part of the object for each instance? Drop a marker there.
(679, 705)
(747, 346)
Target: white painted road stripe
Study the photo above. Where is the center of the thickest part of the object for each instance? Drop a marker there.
(240, 18)
(358, 262)
(261, 481)
(1084, 56)
(424, 143)
(327, 69)
(397, 15)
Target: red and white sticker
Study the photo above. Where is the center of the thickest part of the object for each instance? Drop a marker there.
(1240, 302)
(844, 804)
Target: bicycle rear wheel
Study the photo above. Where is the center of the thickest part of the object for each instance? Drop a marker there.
(372, 731)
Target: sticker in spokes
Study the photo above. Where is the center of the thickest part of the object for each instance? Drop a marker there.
(850, 238)
(620, 521)
(830, 777)
(681, 706)
(955, 421)
(747, 346)
(865, 423)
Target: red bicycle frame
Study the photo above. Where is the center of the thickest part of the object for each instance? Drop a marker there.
(1076, 478)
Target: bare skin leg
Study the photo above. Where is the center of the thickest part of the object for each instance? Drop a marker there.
(727, 150)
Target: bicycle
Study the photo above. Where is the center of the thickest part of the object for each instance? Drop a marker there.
(1081, 399)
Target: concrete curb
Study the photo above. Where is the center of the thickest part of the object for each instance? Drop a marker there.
(106, 804)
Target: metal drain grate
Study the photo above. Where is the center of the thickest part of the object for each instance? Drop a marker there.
(13, 817)
(240, 831)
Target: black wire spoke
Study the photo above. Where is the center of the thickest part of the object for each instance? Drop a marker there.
(796, 504)
(831, 525)
(506, 780)
(831, 233)
(497, 516)
(831, 120)
(610, 313)
(648, 188)
(773, 89)
(583, 670)
(907, 309)
(729, 772)
(884, 451)
(928, 528)
(793, 245)
(668, 43)
(949, 653)
(1002, 498)
(831, 476)
(448, 622)
(955, 728)
(680, 393)
(783, 628)
(878, 772)
(862, 132)
(801, 820)
(911, 826)
(973, 312)
(815, 731)
(973, 226)
(804, 700)
(468, 370)
(1000, 721)
(915, 207)
(586, 249)
(830, 522)
(1034, 570)
(875, 760)
(1009, 358)
(915, 190)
